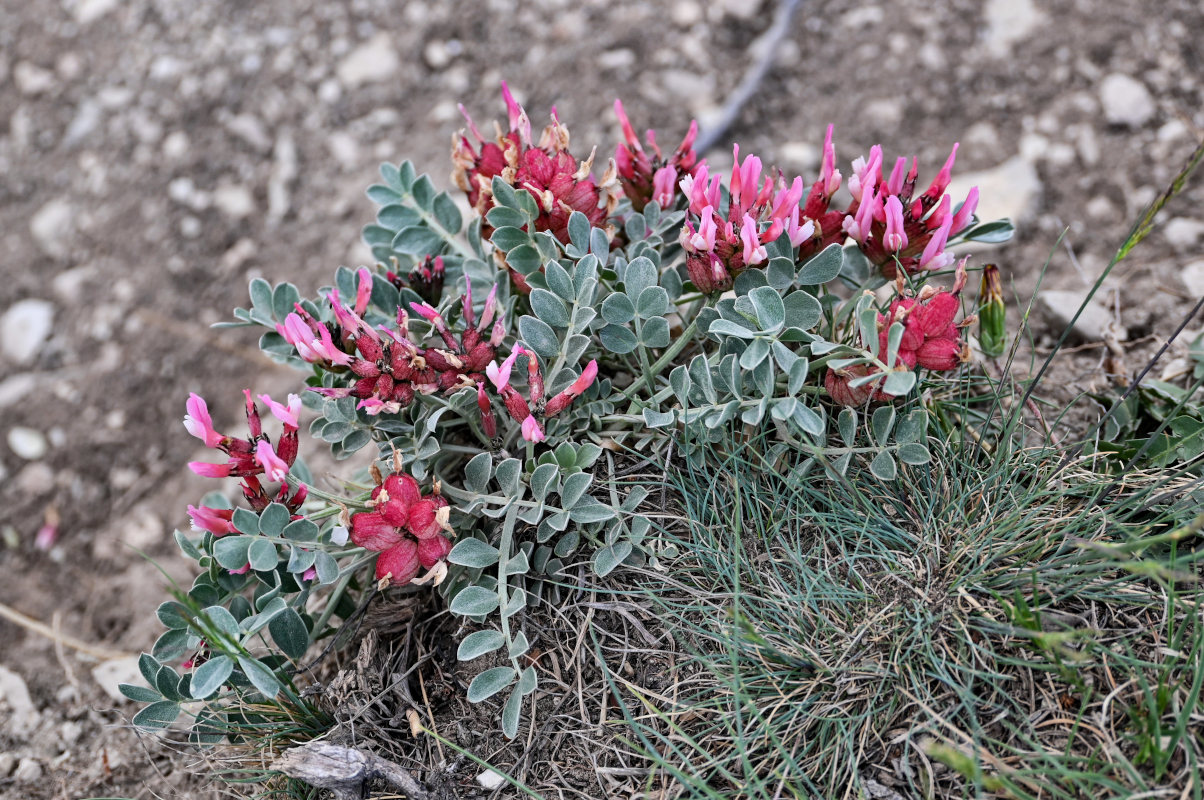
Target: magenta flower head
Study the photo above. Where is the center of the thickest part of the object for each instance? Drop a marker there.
(561, 401)
(500, 376)
(215, 520)
(207, 470)
(274, 467)
(198, 422)
(895, 238)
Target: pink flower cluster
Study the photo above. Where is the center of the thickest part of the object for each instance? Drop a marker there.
(405, 527)
(718, 248)
(520, 408)
(389, 369)
(656, 178)
(930, 340)
(247, 458)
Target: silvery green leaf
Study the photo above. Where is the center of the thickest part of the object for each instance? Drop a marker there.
(574, 488)
(157, 715)
(700, 374)
(882, 421)
(519, 646)
(757, 351)
(260, 676)
(527, 681)
(841, 465)
(894, 337)
(579, 230)
(783, 408)
(550, 309)
(655, 332)
(543, 480)
(187, 547)
(511, 712)
(883, 466)
(518, 564)
(477, 472)
(524, 259)
(899, 383)
(808, 420)
(587, 454)
(300, 559)
(769, 308)
(567, 543)
(617, 339)
(763, 377)
(417, 241)
(539, 337)
(607, 558)
(394, 217)
(582, 317)
(558, 522)
(912, 427)
(590, 510)
(356, 440)
(262, 555)
(798, 375)
(474, 601)
(640, 274)
(502, 217)
(784, 356)
(867, 323)
(507, 238)
(171, 614)
(617, 309)
(754, 414)
(479, 643)
(289, 633)
(508, 473)
(599, 244)
(657, 419)
(503, 193)
(473, 553)
(558, 279)
(446, 213)
(246, 521)
(652, 302)
(679, 379)
(780, 273)
(423, 192)
(139, 694)
(273, 519)
(822, 347)
(802, 310)
(231, 551)
(574, 346)
(915, 454)
(301, 530)
(261, 295)
(283, 298)
(748, 280)
(635, 228)
(846, 423)
(728, 328)
(326, 567)
(822, 267)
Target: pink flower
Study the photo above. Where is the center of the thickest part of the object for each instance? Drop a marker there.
(895, 237)
(664, 182)
(215, 520)
(273, 466)
(287, 415)
(964, 214)
(207, 470)
(754, 252)
(934, 255)
(578, 387)
(243, 570)
(363, 292)
(488, 421)
(309, 574)
(47, 535)
(500, 376)
(314, 348)
(531, 430)
(198, 422)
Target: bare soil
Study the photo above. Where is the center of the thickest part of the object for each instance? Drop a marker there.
(157, 154)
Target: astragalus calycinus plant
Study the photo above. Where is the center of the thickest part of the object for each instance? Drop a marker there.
(584, 309)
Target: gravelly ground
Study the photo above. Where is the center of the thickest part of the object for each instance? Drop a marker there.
(157, 154)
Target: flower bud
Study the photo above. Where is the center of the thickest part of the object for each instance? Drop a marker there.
(992, 313)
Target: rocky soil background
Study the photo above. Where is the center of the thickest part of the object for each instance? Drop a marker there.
(157, 154)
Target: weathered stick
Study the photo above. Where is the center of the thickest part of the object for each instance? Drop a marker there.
(344, 770)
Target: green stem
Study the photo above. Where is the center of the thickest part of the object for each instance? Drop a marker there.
(457, 245)
(502, 595)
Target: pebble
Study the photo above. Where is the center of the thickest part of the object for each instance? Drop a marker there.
(1126, 100)
(234, 200)
(1182, 233)
(436, 54)
(142, 529)
(1092, 325)
(741, 9)
(8, 762)
(22, 715)
(374, 60)
(1008, 22)
(51, 227)
(885, 112)
(24, 328)
(88, 11)
(284, 172)
(109, 674)
(32, 79)
(1192, 276)
(1011, 190)
(251, 130)
(802, 156)
(69, 733)
(490, 779)
(35, 480)
(685, 13)
(176, 145)
(28, 771)
(27, 443)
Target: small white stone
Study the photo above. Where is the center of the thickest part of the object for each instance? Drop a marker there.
(51, 227)
(436, 55)
(802, 156)
(28, 771)
(234, 200)
(885, 112)
(490, 779)
(27, 443)
(617, 59)
(741, 9)
(344, 147)
(69, 732)
(1033, 147)
(1182, 233)
(8, 762)
(185, 192)
(190, 227)
(1088, 145)
(24, 328)
(1092, 325)
(1173, 130)
(1011, 190)
(1126, 100)
(17, 387)
(32, 79)
(374, 60)
(1192, 276)
(1008, 22)
(108, 674)
(862, 17)
(176, 145)
(1100, 207)
(685, 13)
(251, 130)
(88, 11)
(23, 715)
(142, 529)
